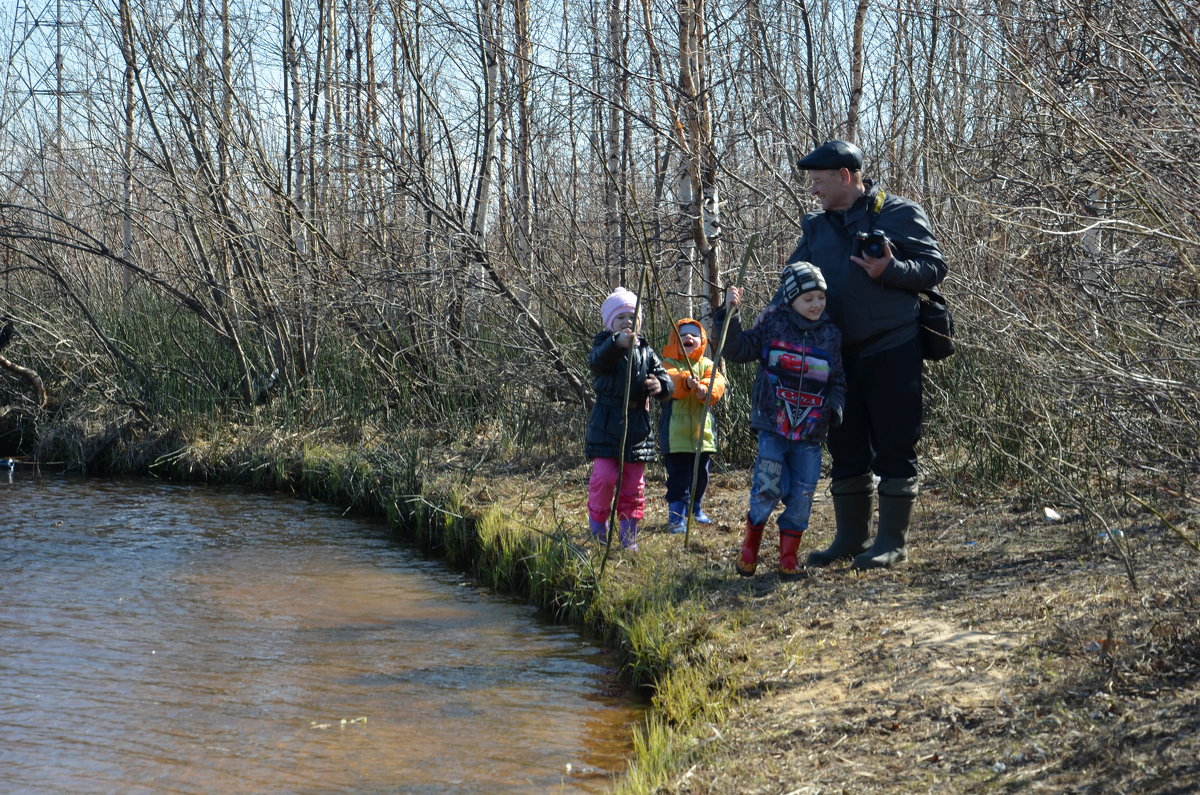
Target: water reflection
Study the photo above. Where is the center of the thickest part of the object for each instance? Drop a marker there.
(157, 637)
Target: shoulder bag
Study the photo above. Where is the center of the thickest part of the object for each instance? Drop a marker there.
(937, 326)
(933, 315)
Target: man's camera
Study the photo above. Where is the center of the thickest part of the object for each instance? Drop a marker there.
(873, 244)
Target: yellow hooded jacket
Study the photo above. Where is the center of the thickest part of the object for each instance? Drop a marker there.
(679, 430)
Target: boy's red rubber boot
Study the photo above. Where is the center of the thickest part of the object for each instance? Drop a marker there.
(747, 561)
(789, 545)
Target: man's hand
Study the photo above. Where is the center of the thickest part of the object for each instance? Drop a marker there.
(874, 266)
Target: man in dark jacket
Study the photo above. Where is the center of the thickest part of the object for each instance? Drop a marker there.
(873, 300)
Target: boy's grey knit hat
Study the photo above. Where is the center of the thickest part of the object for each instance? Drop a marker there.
(799, 278)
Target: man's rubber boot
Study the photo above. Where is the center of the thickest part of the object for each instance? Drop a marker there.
(852, 515)
(789, 544)
(599, 530)
(629, 528)
(747, 562)
(699, 515)
(896, 499)
(677, 516)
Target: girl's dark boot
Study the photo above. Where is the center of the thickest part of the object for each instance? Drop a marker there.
(747, 562)
(896, 499)
(629, 530)
(789, 545)
(852, 515)
(677, 516)
(599, 530)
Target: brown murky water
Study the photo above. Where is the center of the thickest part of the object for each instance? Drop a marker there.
(162, 638)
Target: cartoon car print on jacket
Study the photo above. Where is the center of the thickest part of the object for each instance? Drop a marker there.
(798, 375)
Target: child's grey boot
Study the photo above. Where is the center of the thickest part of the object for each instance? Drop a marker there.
(629, 528)
(896, 499)
(852, 514)
(599, 530)
(677, 517)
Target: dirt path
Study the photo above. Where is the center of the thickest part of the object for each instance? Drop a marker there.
(1010, 654)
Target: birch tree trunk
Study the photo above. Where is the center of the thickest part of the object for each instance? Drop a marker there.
(616, 136)
(128, 142)
(699, 197)
(856, 71)
(293, 157)
(523, 156)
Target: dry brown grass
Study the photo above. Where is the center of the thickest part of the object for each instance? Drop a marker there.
(1011, 654)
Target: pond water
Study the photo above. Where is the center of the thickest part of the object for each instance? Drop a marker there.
(168, 638)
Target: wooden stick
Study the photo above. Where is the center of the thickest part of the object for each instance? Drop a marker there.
(709, 397)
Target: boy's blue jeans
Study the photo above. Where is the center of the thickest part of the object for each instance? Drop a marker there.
(787, 472)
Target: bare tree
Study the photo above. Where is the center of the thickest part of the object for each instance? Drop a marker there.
(699, 198)
(289, 193)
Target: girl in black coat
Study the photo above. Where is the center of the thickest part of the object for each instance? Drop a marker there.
(612, 418)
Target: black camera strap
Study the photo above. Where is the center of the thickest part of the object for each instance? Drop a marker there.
(876, 206)
(873, 211)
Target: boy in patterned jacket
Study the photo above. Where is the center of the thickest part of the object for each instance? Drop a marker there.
(799, 394)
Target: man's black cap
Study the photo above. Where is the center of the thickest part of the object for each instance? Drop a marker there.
(832, 155)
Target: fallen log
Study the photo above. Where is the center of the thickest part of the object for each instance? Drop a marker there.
(34, 380)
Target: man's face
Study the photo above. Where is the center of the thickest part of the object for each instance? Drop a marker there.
(832, 189)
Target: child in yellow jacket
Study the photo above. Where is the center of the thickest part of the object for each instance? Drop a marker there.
(679, 430)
